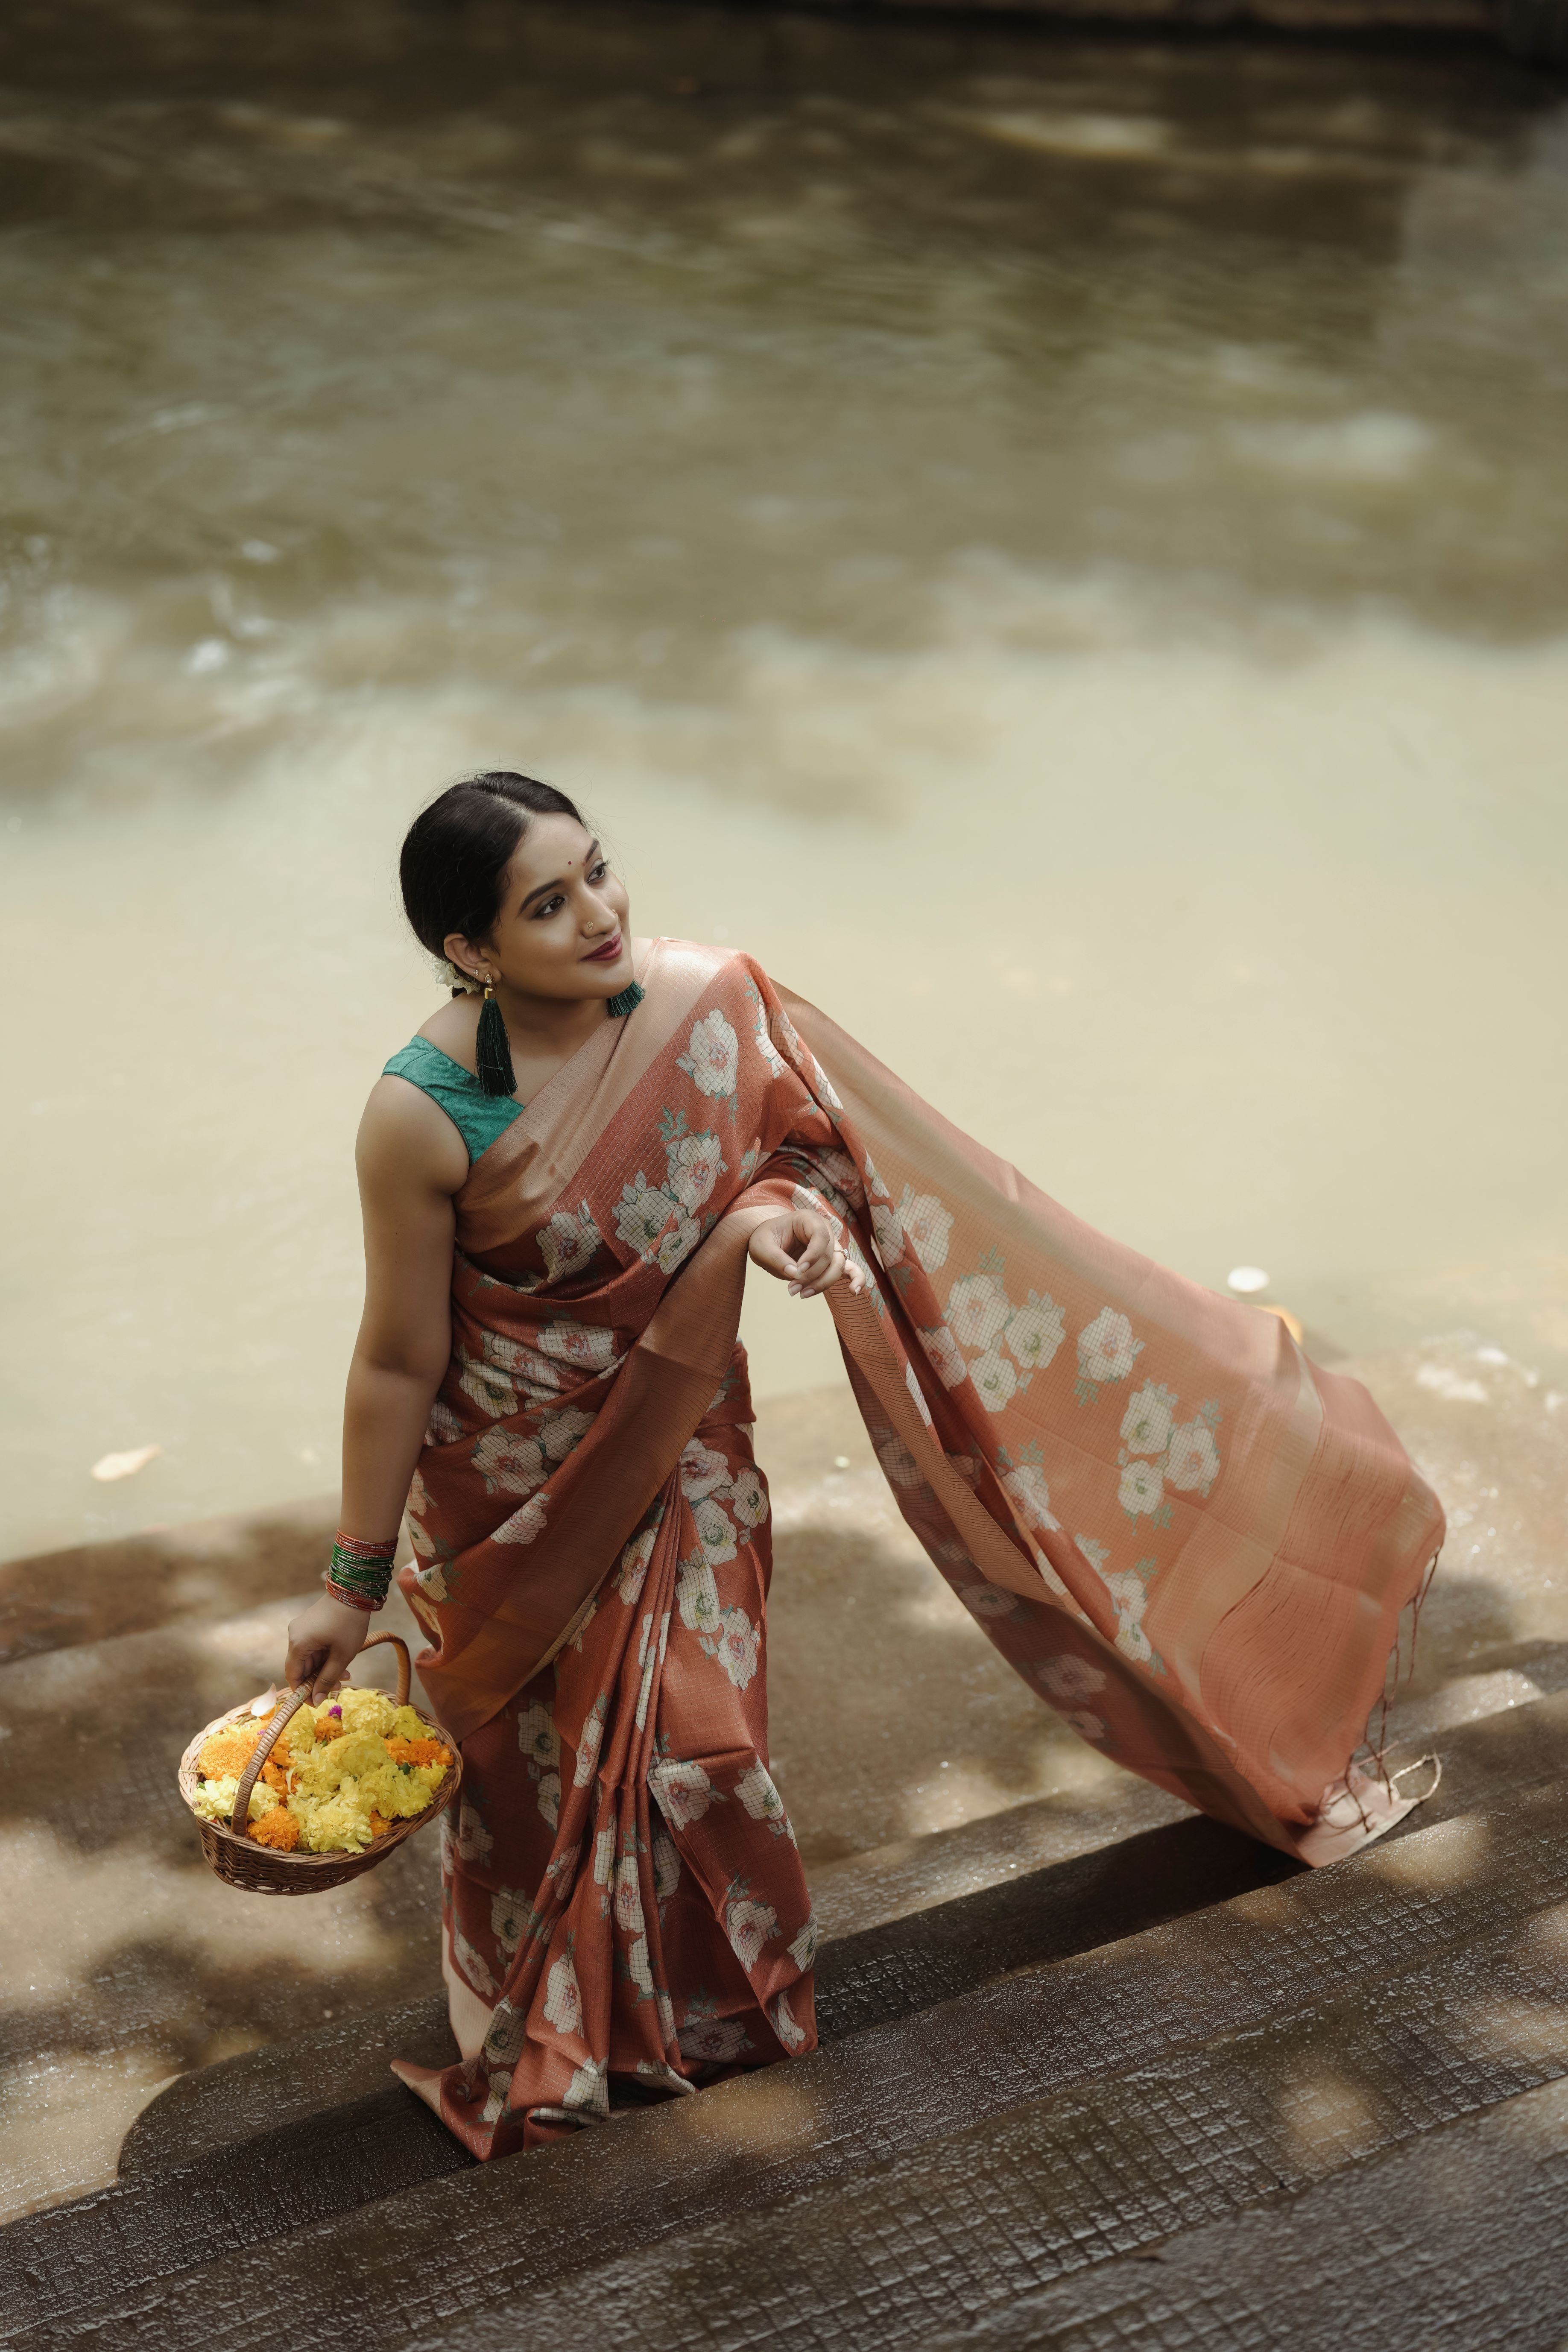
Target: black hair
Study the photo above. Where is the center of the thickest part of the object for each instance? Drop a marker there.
(457, 851)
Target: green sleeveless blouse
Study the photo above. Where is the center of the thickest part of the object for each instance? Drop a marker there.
(478, 1117)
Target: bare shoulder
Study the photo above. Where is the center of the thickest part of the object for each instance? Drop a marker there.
(454, 1027)
(407, 1143)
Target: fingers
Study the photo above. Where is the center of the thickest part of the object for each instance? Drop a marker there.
(767, 1252)
(303, 1659)
(824, 1272)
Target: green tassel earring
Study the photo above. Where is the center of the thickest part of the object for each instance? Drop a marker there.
(492, 1050)
(626, 1002)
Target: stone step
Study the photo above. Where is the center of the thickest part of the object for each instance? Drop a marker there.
(1075, 2109)
(902, 1965)
(190, 1575)
(201, 2166)
(1460, 2238)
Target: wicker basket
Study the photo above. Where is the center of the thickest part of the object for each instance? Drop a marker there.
(262, 1869)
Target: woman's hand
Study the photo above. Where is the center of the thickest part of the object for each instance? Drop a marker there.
(804, 1251)
(323, 1642)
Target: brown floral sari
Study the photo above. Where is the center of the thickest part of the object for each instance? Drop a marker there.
(1192, 1542)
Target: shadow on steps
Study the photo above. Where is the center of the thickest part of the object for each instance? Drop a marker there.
(265, 2145)
(261, 2145)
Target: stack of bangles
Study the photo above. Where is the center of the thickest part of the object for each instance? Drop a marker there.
(360, 1572)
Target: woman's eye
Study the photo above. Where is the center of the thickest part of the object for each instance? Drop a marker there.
(600, 870)
(548, 907)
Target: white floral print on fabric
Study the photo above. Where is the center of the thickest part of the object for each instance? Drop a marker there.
(589, 1744)
(507, 2033)
(560, 1431)
(802, 1951)
(765, 1046)
(537, 1736)
(748, 1497)
(748, 1924)
(837, 1169)
(512, 1916)
(682, 1791)
(694, 1166)
(588, 2091)
(471, 1966)
(569, 1243)
(1192, 1464)
(791, 2035)
(525, 1523)
(1035, 1331)
(587, 1347)
(474, 1841)
(1025, 1488)
(1068, 1678)
(654, 1224)
(977, 1309)
(1129, 1593)
(697, 1596)
(703, 1469)
(499, 2084)
(712, 2041)
(562, 1999)
(711, 1055)
(983, 1600)
(629, 1899)
(898, 1465)
(632, 1567)
(945, 1355)
(490, 1389)
(714, 1530)
(757, 1791)
(927, 1227)
(1143, 1488)
(666, 1865)
(890, 1232)
(1089, 1726)
(1149, 1419)
(515, 1464)
(994, 1380)
(739, 1646)
(1106, 1351)
(911, 1381)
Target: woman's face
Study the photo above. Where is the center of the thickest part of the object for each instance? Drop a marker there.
(562, 929)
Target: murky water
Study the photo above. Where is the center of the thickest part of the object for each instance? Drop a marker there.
(1057, 545)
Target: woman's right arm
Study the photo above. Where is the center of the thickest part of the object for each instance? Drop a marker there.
(411, 1162)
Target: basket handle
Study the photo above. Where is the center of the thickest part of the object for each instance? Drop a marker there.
(238, 1819)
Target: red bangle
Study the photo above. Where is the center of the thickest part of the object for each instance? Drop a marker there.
(349, 1599)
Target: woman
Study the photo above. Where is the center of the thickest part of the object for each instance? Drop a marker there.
(1189, 1540)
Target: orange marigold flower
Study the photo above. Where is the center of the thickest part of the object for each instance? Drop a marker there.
(228, 1751)
(275, 1778)
(418, 1752)
(277, 1829)
(378, 1827)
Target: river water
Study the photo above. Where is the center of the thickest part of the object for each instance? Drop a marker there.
(1057, 545)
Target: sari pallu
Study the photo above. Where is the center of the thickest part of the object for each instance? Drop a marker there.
(1192, 1544)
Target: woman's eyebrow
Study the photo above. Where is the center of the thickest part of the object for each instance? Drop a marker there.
(545, 887)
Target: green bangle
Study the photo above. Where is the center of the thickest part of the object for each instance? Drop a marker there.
(366, 1579)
